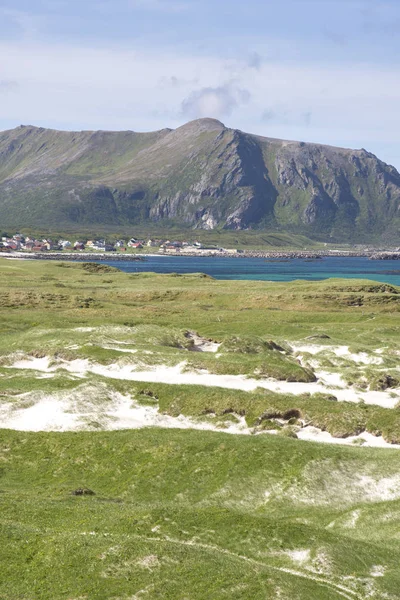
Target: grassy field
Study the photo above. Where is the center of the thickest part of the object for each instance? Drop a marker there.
(196, 515)
(185, 514)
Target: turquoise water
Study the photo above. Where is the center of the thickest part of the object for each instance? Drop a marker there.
(387, 271)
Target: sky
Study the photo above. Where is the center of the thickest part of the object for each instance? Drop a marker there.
(310, 70)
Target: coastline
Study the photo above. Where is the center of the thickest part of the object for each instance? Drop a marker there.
(87, 256)
(275, 255)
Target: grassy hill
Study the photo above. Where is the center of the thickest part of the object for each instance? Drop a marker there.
(195, 515)
(199, 176)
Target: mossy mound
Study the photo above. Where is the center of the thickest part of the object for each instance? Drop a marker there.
(92, 267)
(249, 345)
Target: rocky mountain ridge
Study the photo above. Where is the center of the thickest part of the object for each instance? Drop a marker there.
(201, 175)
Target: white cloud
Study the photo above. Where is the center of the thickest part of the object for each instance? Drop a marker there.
(215, 102)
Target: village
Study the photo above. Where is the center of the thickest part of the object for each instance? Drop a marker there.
(19, 246)
(21, 243)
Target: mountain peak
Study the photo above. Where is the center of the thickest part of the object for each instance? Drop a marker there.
(204, 124)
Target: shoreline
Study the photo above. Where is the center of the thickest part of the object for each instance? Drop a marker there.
(275, 255)
(85, 256)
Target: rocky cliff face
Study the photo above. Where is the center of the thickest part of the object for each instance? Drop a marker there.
(201, 175)
(337, 192)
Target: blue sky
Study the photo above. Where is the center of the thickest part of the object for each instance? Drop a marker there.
(311, 70)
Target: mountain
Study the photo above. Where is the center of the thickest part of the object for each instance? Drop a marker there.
(201, 175)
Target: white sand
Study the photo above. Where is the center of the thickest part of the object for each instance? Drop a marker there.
(328, 383)
(378, 571)
(340, 351)
(383, 490)
(313, 434)
(74, 411)
(47, 415)
(353, 519)
(310, 348)
(360, 357)
(202, 344)
(79, 409)
(117, 349)
(299, 556)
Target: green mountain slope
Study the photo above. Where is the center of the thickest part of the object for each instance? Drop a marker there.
(201, 175)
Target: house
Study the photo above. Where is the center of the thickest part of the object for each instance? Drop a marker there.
(151, 244)
(50, 245)
(14, 245)
(64, 244)
(29, 245)
(103, 246)
(98, 245)
(79, 246)
(136, 245)
(169, 249)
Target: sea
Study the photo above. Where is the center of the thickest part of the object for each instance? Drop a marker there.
(264, 269)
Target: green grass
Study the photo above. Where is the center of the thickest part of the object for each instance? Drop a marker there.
(195, 514)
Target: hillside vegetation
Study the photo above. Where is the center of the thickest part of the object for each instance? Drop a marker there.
(150, 436)
(196, 515)
(202, 176)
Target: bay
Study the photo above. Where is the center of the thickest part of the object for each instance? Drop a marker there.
(385, 271)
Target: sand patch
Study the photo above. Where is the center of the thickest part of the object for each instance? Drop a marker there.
(313, 434)
(378, 571)
(79, 411)
(341, 352)
(351, 522)
(299, 556)
(326, 482)
(328, 383)
(91, 407)
(149, 562)
(118, 349)
(201, 344)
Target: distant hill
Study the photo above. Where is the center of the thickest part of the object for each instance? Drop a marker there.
(202, 176)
